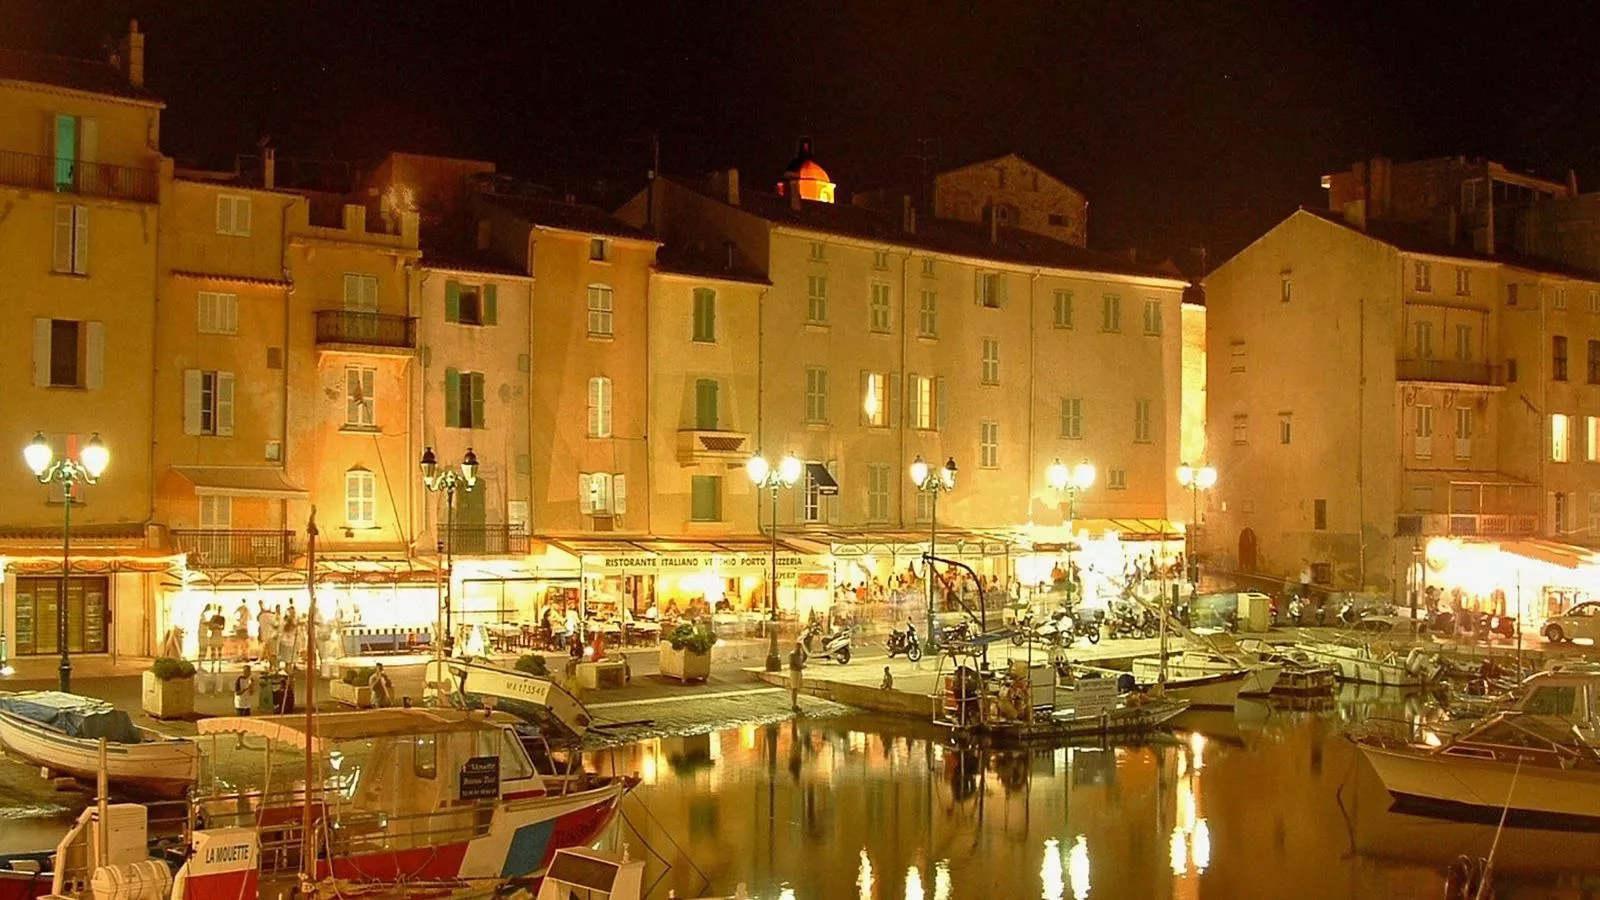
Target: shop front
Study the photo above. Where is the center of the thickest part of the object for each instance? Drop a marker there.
(1099, 556)
(1530, 580)
(102, 609)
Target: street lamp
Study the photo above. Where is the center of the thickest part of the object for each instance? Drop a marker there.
(931, 482)
(1071, 480)
(763, 475)
(450, 480)
(69, 473)
(1196, 479)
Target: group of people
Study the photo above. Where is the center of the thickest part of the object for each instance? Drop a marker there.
(277, 640)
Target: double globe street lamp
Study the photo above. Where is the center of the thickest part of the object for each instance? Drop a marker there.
(449, 481)
(69, 473)
(932, 482)
(767, 477)
(1196, 479)
(1070, 480)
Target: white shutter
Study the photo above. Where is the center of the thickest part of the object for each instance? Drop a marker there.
(224, 403)
(191, 401)
(977, 288)
(228, 313)
(369, 293)
(206, 308)
(594, 407)
(88, 139)
(94, 351)
(619, 494)
(80, 243)
(941, 403)
(241, 214)
(352, 291)
(224, 215)
(1002, 295)
(41, 352)
(61, 259)
(585, 495)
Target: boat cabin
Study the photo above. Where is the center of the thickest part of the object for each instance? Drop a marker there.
(590, 875)
(1569, 694)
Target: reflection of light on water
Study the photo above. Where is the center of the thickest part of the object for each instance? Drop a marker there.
(941, 880)
(786, 894)
(1186, 806)
(1078, 868)
(1180, 853)
(647, 761)
(747, 737)
(913, 884)
(716, 745)
(864, 877)
(1197, 744)
(1050, 871)
(1201, 845)
(858, 741)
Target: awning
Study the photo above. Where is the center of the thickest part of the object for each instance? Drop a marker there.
(1566, 556)
(896, 542)
(822, 478)
(239, 481)
(654, 554)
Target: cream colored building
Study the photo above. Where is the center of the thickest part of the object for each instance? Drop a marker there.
(1019, 193)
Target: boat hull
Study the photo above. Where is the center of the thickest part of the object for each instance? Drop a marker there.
(1260, 679)
(1218, 691)
(1480, 785)
(1351, 664)
(1124, 720)
(163, 768)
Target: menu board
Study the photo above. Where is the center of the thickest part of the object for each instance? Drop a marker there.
(24, 625)
(480, 778)
(94, 612)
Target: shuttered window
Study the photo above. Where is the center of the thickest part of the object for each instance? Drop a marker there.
(463, 399)
(360, 499)
(207, 402)
(68, 353)
(70, 253)
(233, 215)
(218, 313)
(600, 407)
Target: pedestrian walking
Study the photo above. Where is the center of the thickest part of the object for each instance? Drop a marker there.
(888, 680)
(382, 687)
(246, 690)
(797, 665)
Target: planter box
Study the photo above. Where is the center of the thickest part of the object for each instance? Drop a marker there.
(168, 699)
(350, 695)
(684, 665)
(601, 675)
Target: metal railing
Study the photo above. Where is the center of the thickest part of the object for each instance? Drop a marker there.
(222, 548)
(71, 176)
(349, 326)
(485, 540)
(1452, 371)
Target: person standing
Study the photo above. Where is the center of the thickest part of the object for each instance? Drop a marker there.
(797, 666)
(382, 687)
(246, 690)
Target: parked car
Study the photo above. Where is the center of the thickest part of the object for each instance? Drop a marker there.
(1581, 621)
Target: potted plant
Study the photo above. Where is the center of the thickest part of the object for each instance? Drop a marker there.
(169, 688)
(352, 686)
(533, 664)
(686, 653)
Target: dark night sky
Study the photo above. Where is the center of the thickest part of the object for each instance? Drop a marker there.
(1186, 123)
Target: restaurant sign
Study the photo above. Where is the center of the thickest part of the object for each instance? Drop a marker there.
(693, 562)
(480, 778)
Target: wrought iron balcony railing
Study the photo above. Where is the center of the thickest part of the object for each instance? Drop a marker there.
(1449, 371)
(368, 329)
(228, 548)
(484, 540)
(71, 176)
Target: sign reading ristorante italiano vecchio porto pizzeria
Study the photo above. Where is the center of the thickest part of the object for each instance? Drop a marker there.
(693, 562)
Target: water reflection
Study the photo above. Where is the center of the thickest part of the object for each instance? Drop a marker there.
(1233, 806)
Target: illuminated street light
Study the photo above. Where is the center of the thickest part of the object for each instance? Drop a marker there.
(69, 473)
(763, 475)
(932, 482)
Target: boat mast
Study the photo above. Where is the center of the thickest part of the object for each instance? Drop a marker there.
(308, 844)
(1161, 584)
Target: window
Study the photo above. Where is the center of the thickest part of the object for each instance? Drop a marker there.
(1111, 313)
(706, 401)
(1422, 499)
(988, 445)
(1241, 424)
(878, 492)
(880, 259)
(1236, 356)
(924, 506)
(69, 151)
(1559, 512)
(71, 251)
(1424, 275)
(233, 215)
(599, 310)
(1063, 309)
(810, 497)
(817, 298)
(816, 395)
(1464, 343)
(1511, 370)
(1594, 301)
(1059, 220)
(600, 407)
(874, 399)
(927, 268)
(1560, 438)
(1422, 433)
(1141, 421)
(928, 315)
(1285, 428)
(216, 512)
(705, 316)
(1463, 282)
(989, 289)
(925, 402)
(360, 402)
(1152, 317)
(1424, 340)
(1558, 357)
(1561, 298)
(1117, 479)
(207, 402)
(68, 353)
(219, 313)
(463, 399)
(1319, 515)
(602, 494)
(990, 371)
(1591, 443)
(1072, 418)
(1286, 290)
(471, 304)
(599, 250)
(1511, 295)
(1463, 432)
(360, 499)
(1594, 512)
(819, 251)
(878, 317)
(361, 292)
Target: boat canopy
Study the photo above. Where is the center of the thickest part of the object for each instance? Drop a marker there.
(340, 727)
(72, 715)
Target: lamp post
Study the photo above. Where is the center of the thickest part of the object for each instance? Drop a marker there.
(1196, 479)
(931, 482)
(764, 476)
(68, 473)
(1071, 480)
(450, 480)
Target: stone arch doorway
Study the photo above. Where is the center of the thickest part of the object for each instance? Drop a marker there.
(1247, 551)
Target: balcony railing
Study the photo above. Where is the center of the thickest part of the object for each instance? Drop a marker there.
(484, 540)
(697, 445)
(229, 548)
(367, 329)
(1480, 524)
(1448, 371)
(70, 176)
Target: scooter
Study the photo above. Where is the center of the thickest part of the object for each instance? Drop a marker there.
(1347, 614)
(1052, 630)
(904, 642)
(835, 646)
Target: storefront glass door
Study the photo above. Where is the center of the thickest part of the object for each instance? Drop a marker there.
(39, 610)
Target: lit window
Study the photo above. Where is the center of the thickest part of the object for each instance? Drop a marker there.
(874, 399)
(1591, 444)
(360, 499)
(1560, 438)
(600, 310)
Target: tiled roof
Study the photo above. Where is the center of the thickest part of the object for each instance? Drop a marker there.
(696, 261)
(1013, 245)
(230, 279)
(73, 74)
(566, 216)
(466, 259)
(1416, 239)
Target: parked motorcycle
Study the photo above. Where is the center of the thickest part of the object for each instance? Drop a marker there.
(904, 642)
(835, 646)
(1058, 627)
(1086, 624)
(1347, 614)
(1132, 620)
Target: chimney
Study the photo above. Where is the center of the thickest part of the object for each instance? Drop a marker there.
(733, 188)
(1355, 213)
(483, 234)
(794, 195)
(728, 246)
(1379, 195)
(1572, 183)
(994, 224)
(269, 167)
(908, 222)
(132, 55)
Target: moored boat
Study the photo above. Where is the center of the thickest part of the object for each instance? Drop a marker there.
(1372, 663)
(1218, 691)
(1261, 677)
(62, 732)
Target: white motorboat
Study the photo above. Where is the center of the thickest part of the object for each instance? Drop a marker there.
(600, 875)
(1218, 691)
(1262, 676)
(1372, 663)
(61, 733)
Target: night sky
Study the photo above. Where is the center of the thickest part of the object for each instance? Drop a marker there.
(1187, 124)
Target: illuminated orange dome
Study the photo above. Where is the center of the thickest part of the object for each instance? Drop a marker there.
(809, 178)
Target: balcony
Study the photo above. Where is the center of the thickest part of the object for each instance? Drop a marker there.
(1495, 525)
(485, 540)
(365, 332)
(1449, 371)
(700, 445)
(235, 548)
(66, 176)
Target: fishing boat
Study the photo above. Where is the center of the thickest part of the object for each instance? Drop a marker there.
(1373, 662)
(1261, 677)
(61, 733)
(1300, 674)
(1219, 690)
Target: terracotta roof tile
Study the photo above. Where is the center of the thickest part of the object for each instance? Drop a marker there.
(73, 74)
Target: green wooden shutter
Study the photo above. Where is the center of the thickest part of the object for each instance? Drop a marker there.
(452, 398)
(477, 399)
(490, 306)
(452, 301)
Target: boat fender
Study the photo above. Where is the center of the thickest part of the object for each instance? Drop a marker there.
(148, 879)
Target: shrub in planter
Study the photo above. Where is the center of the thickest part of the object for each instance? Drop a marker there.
(533, 664)
(691, 639)
(351, 687)
(686, 653)
(167, 668)
(168, 688)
